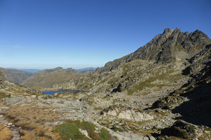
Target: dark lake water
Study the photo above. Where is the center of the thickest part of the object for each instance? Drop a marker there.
(65, 91)
(52, 92)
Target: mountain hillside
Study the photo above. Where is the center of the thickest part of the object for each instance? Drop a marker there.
(161, 91)
(47, 78)
(168, 47)
(9, 89)
(85, 69)
(166, 54)
(3, 75)
(32, 71)
(17, 76)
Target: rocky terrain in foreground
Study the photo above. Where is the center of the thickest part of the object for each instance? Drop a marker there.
(161, 91)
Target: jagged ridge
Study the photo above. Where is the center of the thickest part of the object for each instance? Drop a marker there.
(165, 48)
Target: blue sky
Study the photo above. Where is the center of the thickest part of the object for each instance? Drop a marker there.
(82, 33)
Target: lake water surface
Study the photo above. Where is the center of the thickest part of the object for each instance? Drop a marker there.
(65, 91)
(52, 92)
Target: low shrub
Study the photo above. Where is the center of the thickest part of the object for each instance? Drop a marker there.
(191, 129)
(87, 126)
(183, 134)
(94, 136)
(104, 134)
(69, 130)
(3, 95)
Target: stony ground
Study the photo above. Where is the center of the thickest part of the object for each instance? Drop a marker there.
(29, 118)
(23, 118)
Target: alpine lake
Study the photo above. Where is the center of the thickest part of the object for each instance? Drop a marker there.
(61, 91)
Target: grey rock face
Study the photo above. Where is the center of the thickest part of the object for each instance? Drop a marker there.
(164, 47)
(151, 137)
(14, 100)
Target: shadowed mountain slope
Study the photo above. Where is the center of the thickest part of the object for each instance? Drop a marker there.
(17, 76)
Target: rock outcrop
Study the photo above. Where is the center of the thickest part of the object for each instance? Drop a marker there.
(166, 54)
(165, 48)
(161, 91)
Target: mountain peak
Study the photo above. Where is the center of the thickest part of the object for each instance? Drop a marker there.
(58, 68)
(165, 48)
(167, 30)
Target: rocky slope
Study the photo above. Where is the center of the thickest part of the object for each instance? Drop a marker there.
(163, 81)
(161, 91)
(47, 78)
(164, 55)
(17, 76)
(88, 71)
(3, 75)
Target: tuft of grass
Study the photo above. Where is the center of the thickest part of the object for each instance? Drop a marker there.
(88, 126)
(4, 95)
(115, 129)
(191, 129)
(183, 134)
(69, 130)
(166, 138)
(94, 136)
(104, 134)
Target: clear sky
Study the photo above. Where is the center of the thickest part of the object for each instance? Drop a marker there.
(82, 33)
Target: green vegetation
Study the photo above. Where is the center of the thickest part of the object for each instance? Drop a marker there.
(147, 83)
(115, 129)
(71, 130)
(4, 95)
(183, 134)
(166, 138)
(191, 129)
(86, 126)
(104, 134)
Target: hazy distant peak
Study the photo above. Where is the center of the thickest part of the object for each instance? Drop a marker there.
(58, 68)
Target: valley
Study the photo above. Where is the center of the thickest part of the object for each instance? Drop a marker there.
(159, 92)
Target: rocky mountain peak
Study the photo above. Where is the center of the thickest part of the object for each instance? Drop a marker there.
(167, 30)
(59, 68)
(168, 47)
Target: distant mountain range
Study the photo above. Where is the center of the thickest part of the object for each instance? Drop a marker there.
(48, 77)
(32, 71)
(19, 75)
(161, 91)
(88, 70)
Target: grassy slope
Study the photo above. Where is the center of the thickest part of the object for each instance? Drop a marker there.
(48, 80)
(17, 76)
